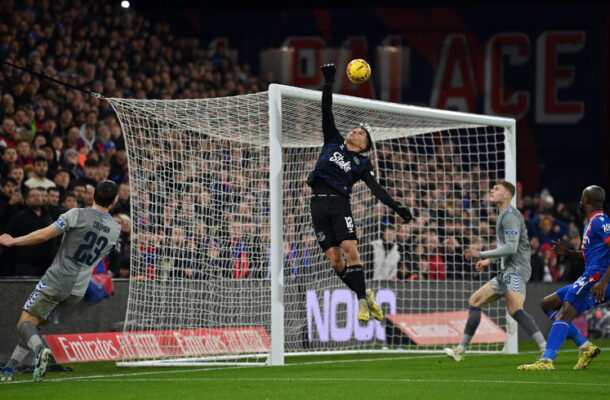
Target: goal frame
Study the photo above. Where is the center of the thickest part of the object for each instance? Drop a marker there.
(276, 92)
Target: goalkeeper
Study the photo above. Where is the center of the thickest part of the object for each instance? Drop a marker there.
(341, 164)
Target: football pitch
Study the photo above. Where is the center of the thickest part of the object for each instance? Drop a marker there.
(372, 376)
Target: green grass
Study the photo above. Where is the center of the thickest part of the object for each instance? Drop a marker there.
(379, 376)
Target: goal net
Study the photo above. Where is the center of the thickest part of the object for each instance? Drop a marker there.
(225, 266)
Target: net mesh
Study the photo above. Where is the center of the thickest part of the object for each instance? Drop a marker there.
(199, 176)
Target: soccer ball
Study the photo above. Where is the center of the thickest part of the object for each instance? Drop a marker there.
(358, 71)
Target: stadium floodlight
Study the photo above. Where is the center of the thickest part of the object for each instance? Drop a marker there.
(225, 264)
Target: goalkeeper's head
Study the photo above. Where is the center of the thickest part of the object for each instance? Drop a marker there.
(361, 138)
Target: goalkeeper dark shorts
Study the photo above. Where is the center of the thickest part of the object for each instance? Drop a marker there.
(332, 220)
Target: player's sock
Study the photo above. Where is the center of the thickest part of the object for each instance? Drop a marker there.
(573, 332)
(557, 335)
(31, 335)
(19, 355)
(342, 276)
(354, 279)
(527, 323)
(472, 323)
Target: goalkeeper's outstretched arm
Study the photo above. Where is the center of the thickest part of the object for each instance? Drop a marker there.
(330, 131)
(383, 196)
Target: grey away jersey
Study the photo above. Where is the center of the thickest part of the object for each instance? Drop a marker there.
(89, 235)
(511, 228)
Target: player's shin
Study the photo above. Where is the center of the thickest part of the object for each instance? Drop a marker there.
(472, 323)
(20, 354)
(31, 336)
(573, 332)
(527, 323)
(557, 335)
(354, 279)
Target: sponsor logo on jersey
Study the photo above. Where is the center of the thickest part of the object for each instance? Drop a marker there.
(511, 233)
(606, 227)
(338, 159)
(61, 223)
(321, 236)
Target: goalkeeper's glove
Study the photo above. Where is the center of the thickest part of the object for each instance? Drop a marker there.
(404, 213)
(329, 71)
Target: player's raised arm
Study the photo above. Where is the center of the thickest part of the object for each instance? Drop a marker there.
(329, 130)
(38, 236)
(383, 196)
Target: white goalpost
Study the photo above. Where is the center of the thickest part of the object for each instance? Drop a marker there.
(225, 264)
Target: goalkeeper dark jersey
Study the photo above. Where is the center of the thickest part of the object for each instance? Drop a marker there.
(338, 169)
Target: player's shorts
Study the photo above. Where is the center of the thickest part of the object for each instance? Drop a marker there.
(48, 303)
(332, 220)
(578, 294)
(508, 282)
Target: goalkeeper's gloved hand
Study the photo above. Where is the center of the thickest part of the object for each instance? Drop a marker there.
(404, 213)
(329, 71)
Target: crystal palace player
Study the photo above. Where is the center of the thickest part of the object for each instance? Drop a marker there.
(591, 287)
(340, 166)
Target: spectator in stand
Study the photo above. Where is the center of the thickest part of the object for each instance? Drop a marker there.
(433, 258)
(456, 267)
(89, 177)
(71, 165)
(62, 181)
(65, 122)
(18, 174)
(11, 200)
(70, 201)
(548, 228)
(53, 206)
(73, 139)
(536, 260)
(41, 166)
(103, 171)
(118, 166)
(88, 197)
(121, 266)
(8, 133)
(24, 156)
(123, 205)
(386, 255)
(9, 159)
(408, 267)
(34, 260)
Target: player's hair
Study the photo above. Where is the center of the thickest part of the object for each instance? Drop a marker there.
(369, 140)
(508, 186)
(596, 195)
(105, 193)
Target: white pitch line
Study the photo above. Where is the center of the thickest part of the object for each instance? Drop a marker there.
(368, 380)
(113, 377)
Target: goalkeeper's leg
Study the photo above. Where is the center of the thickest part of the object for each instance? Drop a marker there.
(352, 274)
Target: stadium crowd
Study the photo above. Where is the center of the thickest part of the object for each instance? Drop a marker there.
(57, 143)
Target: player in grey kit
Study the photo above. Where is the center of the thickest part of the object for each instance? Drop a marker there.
(89, 234)
(514, 253)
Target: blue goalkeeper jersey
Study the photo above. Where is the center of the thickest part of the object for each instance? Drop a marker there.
(595, 251)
